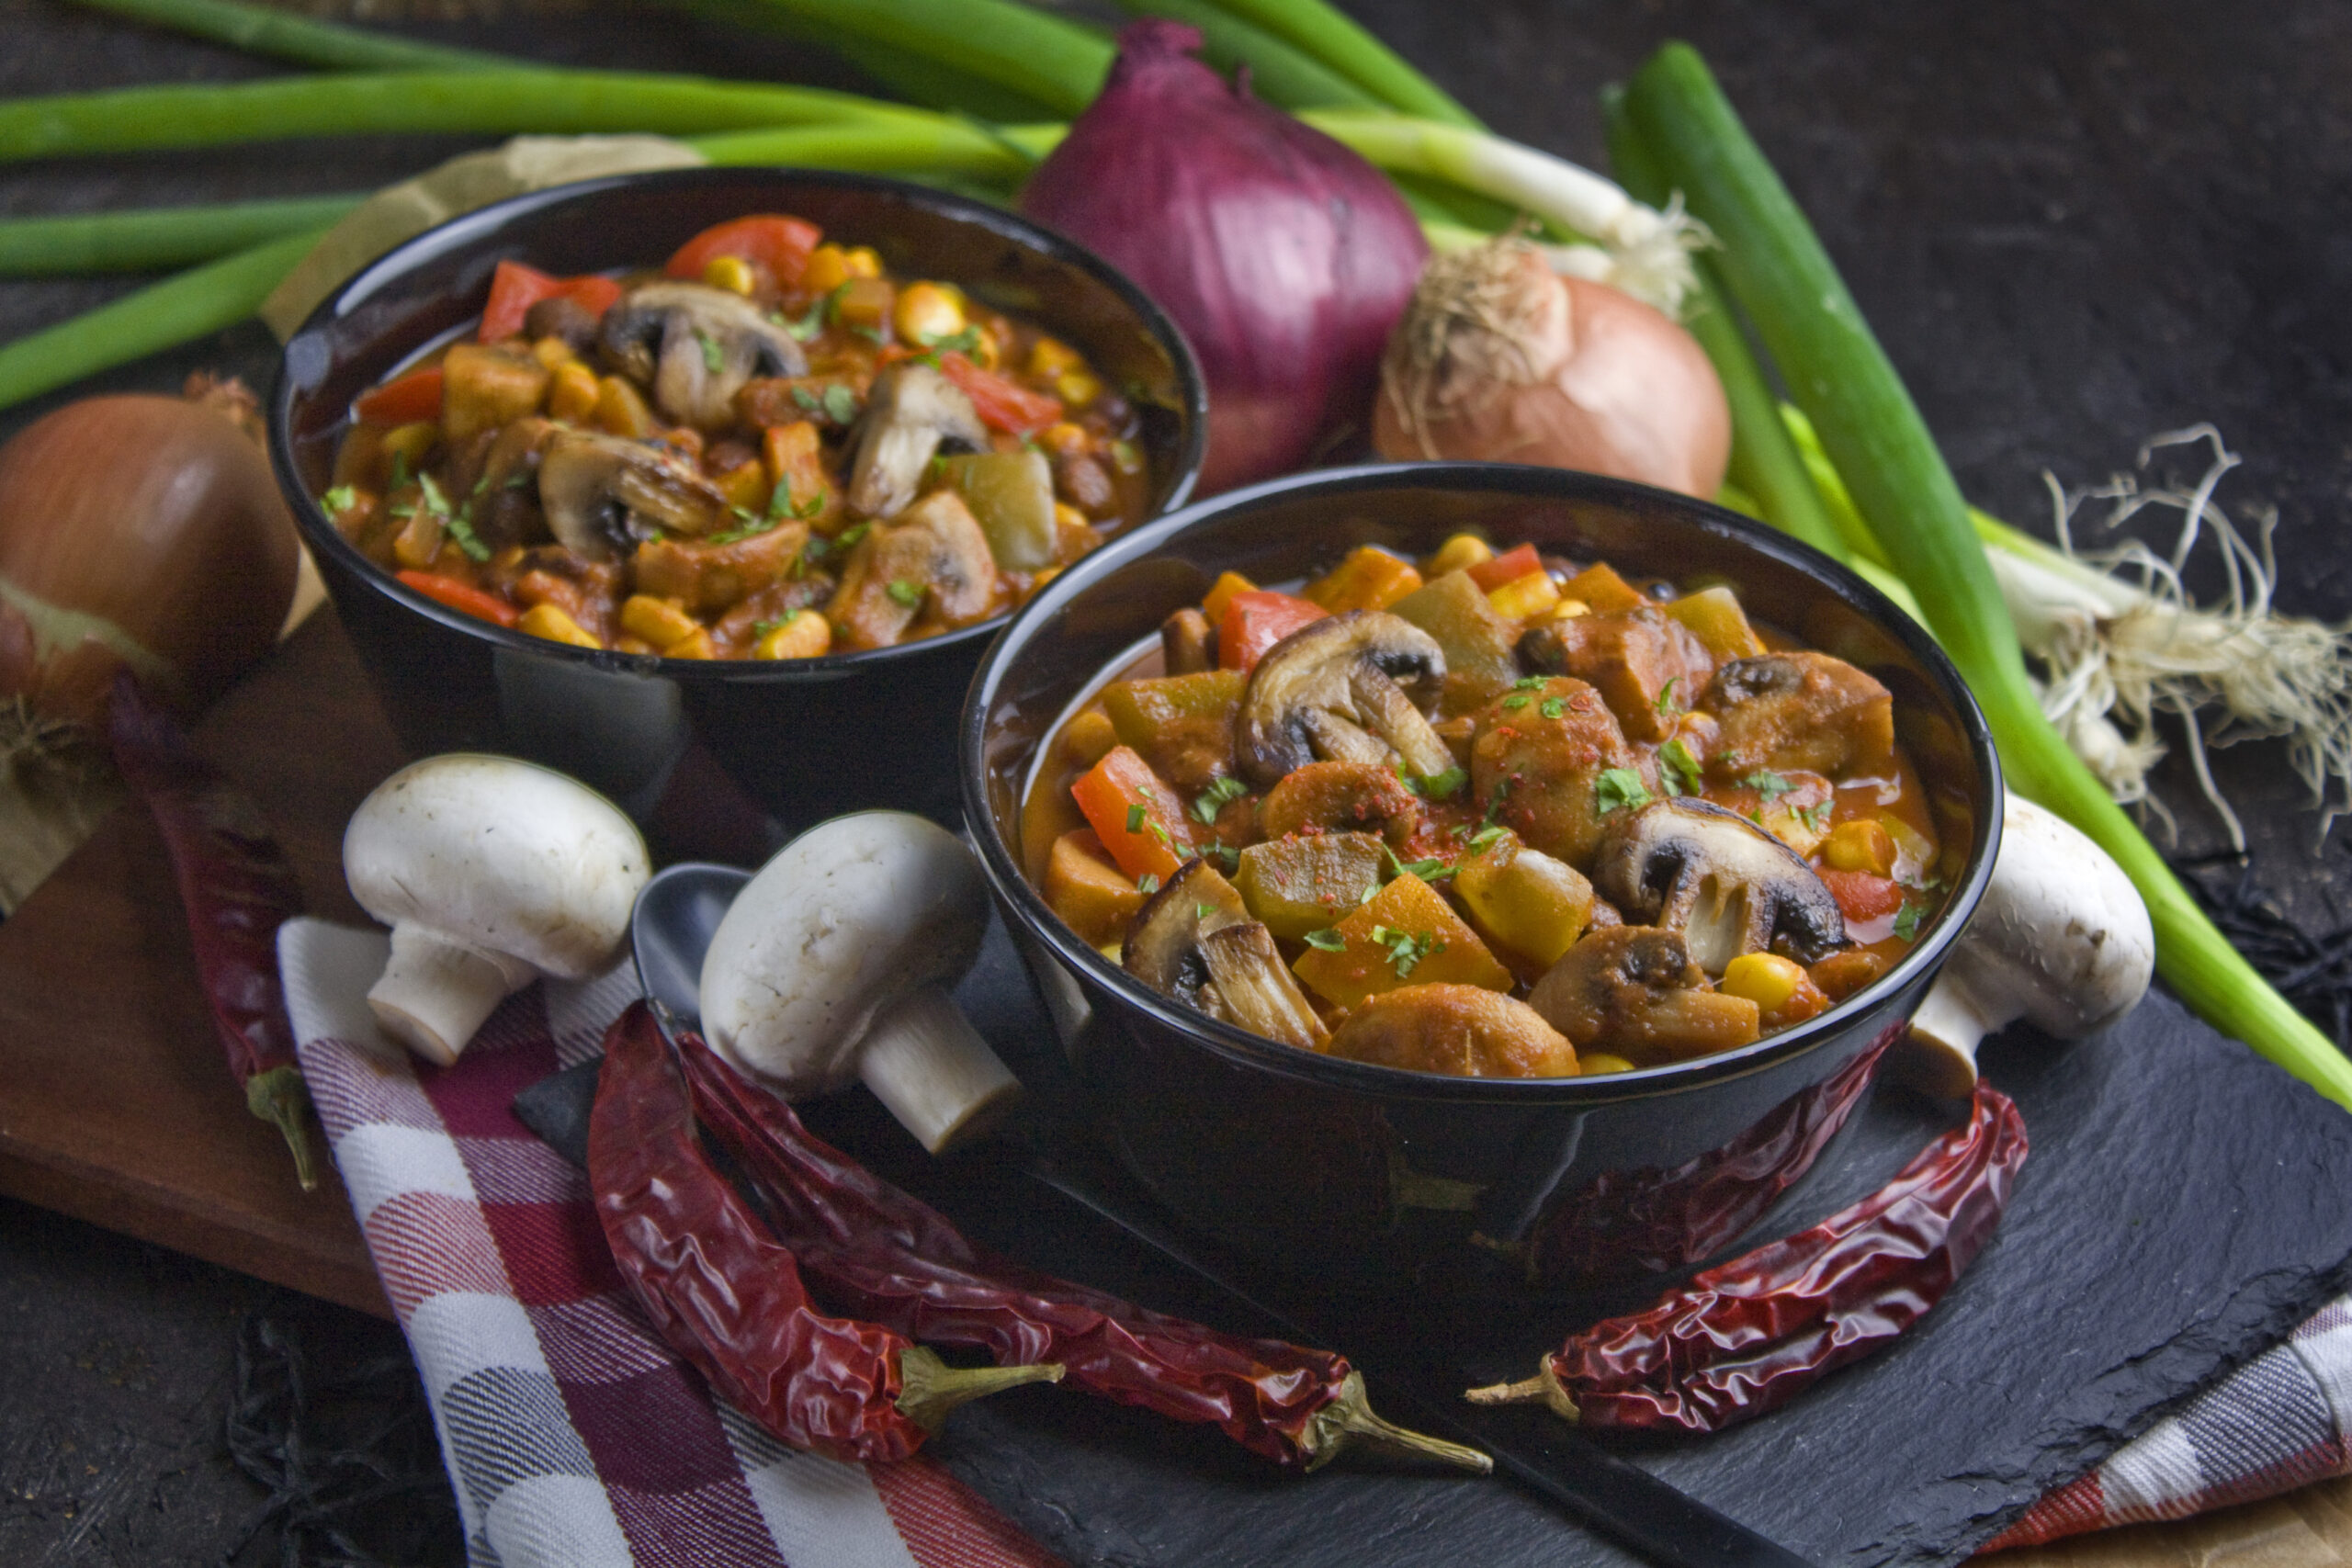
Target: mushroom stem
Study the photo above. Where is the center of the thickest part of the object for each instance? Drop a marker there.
(2060, 940)
(929, 1388)
(436, 991)
(925, 1062)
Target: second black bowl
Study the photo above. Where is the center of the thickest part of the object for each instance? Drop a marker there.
(809, 738)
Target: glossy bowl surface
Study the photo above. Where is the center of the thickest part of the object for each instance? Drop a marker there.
(1375, 1177)
(807, 738)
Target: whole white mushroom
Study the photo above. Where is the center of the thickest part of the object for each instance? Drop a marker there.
(2060, 939)
(492, 872)
(834, 963)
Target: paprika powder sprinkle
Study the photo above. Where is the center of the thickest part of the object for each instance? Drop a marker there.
(1748, 1336)
(723, 1292)
(892, 1260)
(237, 888)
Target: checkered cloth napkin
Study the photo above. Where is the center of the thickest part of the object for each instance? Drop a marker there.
(576, 1438)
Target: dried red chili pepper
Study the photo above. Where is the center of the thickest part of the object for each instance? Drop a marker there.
(891, 1259)
(237, 888)
(1748, 1336)
(723, 1292)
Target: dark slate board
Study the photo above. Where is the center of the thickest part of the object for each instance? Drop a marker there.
(2181, 1210)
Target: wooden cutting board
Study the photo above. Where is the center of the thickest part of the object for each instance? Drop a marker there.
(116, 1104)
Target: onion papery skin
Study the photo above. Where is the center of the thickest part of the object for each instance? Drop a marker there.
(137, 532)
(1586, 377)
(1284, 256)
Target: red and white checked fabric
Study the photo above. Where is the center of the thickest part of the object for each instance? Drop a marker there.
(576, 1438)
(573, 1435)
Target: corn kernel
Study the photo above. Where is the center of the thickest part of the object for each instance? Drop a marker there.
(731, 273)
(827, 270)
(621, 411)
(1077, 388)
(1062, 439)
(659, 621)
(1592, 1063)
(1863, 844)
(553, 353)
(1765, 978)
(801, 634)
(1526, 598)
(573, 395)
(925, 313)
(1457, 554)
(1052, 357)
(411, 442)
(546, 621)
(863, 262)
(695, 644)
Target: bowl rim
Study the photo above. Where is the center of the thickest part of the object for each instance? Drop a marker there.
(483, 224)
(1027, 906)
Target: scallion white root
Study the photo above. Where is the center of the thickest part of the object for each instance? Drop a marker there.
(1647, 249)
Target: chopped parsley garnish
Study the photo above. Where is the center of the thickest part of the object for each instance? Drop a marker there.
(1135, 819)
(1214, 798)
(1553, 707)
(343, 498)
(713, 353)
(1678, 769)
(841, 404)
(1406, 950)
(1907, 919)
(1439, 787)
(1326, 941)
(904, 593)
(1147, 882)
(1617, 789)
(1666, 703)
(1771, 786)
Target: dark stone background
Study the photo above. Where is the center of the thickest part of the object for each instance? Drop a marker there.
(2074, 225)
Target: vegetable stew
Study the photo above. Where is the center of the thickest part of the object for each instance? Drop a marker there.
(1492, 815)
(768, 448)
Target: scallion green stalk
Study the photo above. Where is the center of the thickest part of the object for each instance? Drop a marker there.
(470, 102)
(163, 315)
(1326, 35)
(1279, 72)
(261, 30)
(151, 239)
(1873, 431)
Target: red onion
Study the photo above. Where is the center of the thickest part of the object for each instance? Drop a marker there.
(1285, 256)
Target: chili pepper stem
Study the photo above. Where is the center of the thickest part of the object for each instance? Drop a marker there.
(1349, 1419)
(929, 1388)
(280, 1098)
(1544, 1386)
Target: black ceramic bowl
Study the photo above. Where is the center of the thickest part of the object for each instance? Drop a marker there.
(808, 737)
(1375, 1177)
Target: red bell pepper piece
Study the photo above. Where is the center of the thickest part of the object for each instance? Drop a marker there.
(515, 288)
(1508, 567)
(1002, 404)
(769, 240)
(1860, 896)
(1139, 817)
(1256, 619)
(460, 596)
(414, 397)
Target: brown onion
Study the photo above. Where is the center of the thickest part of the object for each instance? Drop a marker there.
(139, 532)
(1499, 358)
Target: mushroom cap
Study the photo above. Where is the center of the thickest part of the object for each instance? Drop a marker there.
(1317, 692)
(842, 923)
(499, 855)
(1731, 887)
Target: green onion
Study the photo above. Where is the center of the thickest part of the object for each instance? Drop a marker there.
(163, 315)
(1873, 433)
(1279, 72)
(150, 239)
(259, 31)
(467, 102)
(1339, 43)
